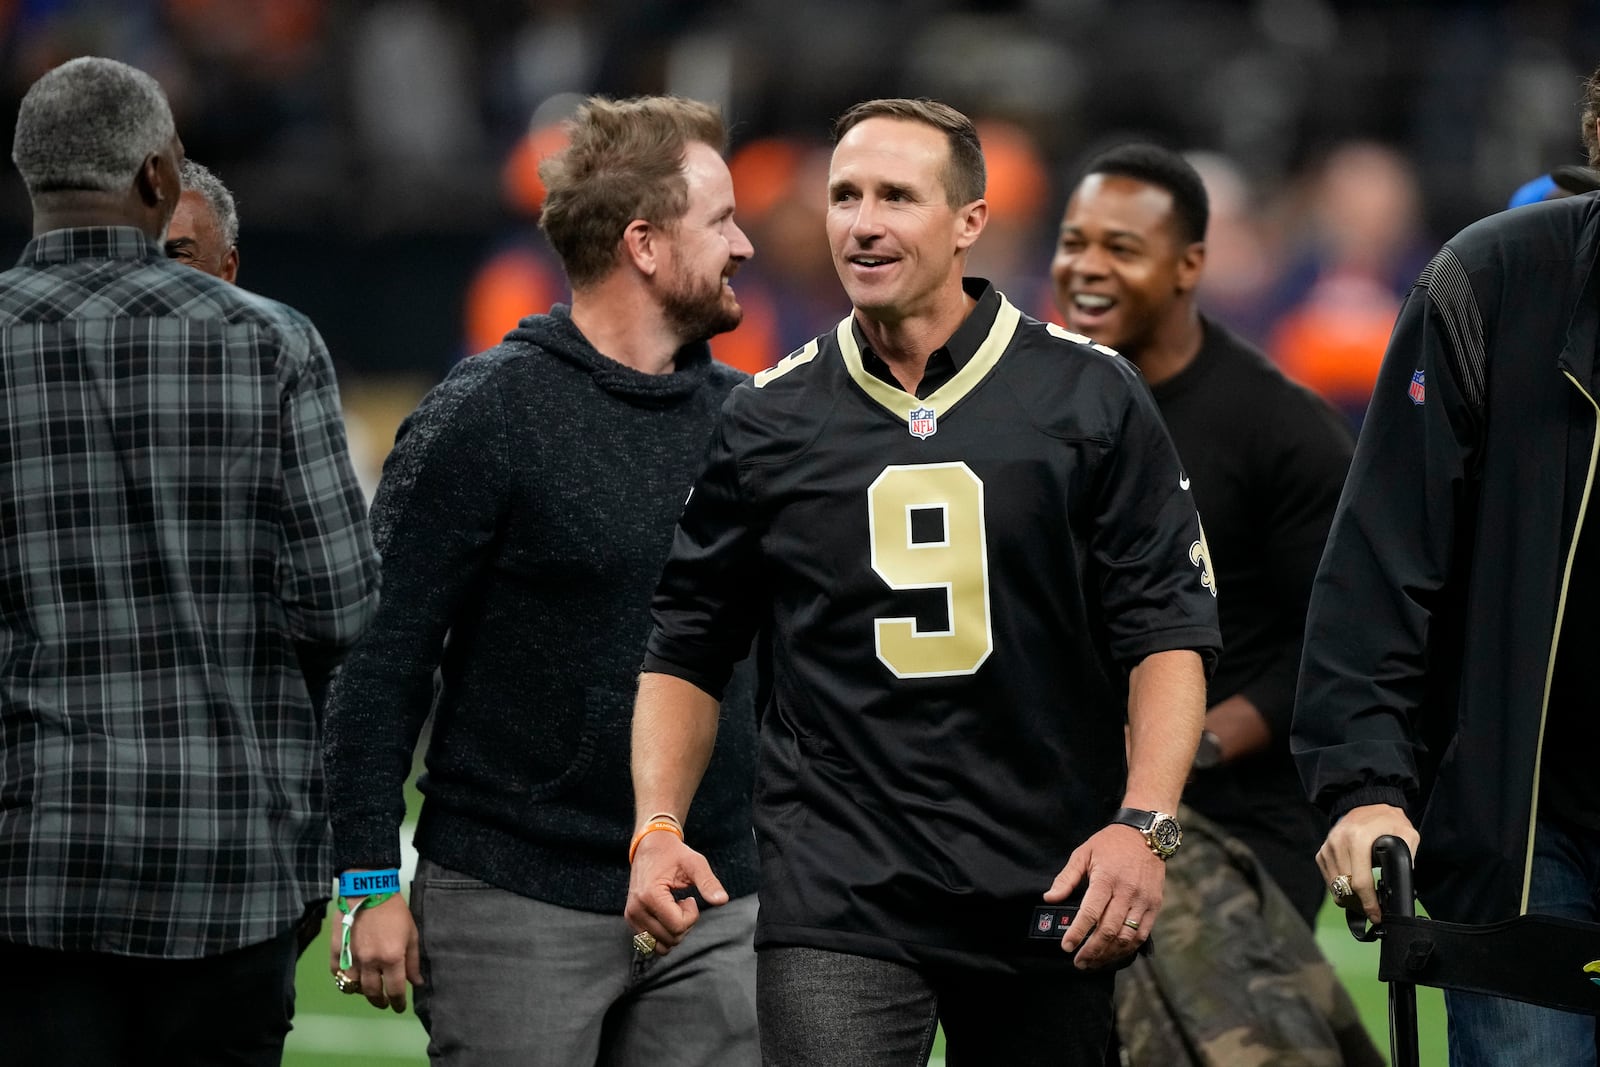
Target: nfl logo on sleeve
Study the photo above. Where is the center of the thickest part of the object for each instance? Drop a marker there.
(1417, 390)
(923, 423)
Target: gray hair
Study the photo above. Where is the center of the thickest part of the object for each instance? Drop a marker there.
(89, 124)
(217, 198)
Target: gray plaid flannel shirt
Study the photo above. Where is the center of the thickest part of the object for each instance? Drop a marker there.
(178, 521)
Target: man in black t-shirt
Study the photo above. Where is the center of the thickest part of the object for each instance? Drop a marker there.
(968, 548)
(1267, 459)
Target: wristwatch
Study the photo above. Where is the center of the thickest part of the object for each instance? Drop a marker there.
(1161, 831)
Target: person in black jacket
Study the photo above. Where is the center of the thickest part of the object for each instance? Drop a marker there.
(523, 519)
(1446, 694)
(1267, 458)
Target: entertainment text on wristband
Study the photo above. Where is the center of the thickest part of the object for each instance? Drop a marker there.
(650, 828)
(364, 883)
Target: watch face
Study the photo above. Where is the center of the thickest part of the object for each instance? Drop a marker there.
(1165, 835)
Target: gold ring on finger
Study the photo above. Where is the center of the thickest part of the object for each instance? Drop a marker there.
(345, 983)
(644, 943)
(1132, 924)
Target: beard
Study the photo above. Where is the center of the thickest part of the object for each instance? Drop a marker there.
(700, 311)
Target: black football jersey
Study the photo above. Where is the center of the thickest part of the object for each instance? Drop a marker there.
(950, 591)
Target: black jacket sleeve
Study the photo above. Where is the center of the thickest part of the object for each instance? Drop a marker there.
(1391, 549)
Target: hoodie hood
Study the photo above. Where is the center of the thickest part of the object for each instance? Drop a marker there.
(558, 335)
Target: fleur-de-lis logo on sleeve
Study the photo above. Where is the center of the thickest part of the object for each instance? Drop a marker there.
(1200, 556)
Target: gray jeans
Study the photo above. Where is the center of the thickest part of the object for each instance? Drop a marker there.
(511, 981)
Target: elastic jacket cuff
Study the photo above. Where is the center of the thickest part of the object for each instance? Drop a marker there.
(1361, 796)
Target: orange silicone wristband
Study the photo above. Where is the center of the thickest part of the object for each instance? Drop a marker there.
(650, 828)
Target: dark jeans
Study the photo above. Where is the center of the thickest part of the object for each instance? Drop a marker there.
(1490, 1031)
(99, 1010)
(833, 1009)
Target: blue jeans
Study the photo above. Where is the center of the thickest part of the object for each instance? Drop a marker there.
(1490, 1031)
(835, 1009)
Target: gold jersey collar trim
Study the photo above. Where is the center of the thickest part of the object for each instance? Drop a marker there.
(900, 403)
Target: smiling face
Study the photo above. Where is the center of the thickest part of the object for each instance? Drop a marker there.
(1122, 274)
(703, 250)
(194, 238)
(898, 246)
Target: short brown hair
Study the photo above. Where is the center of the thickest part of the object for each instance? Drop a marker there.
(624, 161)
(964, 176)
(1591, 113)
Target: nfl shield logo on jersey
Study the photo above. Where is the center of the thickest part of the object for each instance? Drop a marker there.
(1047, 919)
(1417, 391)
(924, 423)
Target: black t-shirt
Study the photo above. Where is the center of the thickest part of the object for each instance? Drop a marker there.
(950, 590)
(1267, 459)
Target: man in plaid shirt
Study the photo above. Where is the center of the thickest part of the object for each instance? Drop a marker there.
(184, 556)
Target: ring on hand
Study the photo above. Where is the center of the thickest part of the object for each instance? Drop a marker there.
(1132, 924)
(345, 983)
(644, 943)
(1341, 889)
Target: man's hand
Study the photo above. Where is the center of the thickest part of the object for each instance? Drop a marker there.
(1348, 851)
(383, 951)
(661, 864)
(1125, 884)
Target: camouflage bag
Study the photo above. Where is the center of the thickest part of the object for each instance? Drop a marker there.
(1236, 979)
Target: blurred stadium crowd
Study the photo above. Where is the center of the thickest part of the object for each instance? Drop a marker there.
(383, 151)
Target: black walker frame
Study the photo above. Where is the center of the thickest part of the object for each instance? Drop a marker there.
(1540, 959)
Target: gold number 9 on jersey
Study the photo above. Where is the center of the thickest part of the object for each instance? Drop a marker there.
(927, 529)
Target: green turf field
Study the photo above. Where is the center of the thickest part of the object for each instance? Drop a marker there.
(333, 1030)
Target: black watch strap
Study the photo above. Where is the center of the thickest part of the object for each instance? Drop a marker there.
(1138, 818)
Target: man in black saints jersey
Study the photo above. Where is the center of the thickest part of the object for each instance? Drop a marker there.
(968, 547)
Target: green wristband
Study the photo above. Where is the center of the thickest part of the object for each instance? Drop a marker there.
(349, 921)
